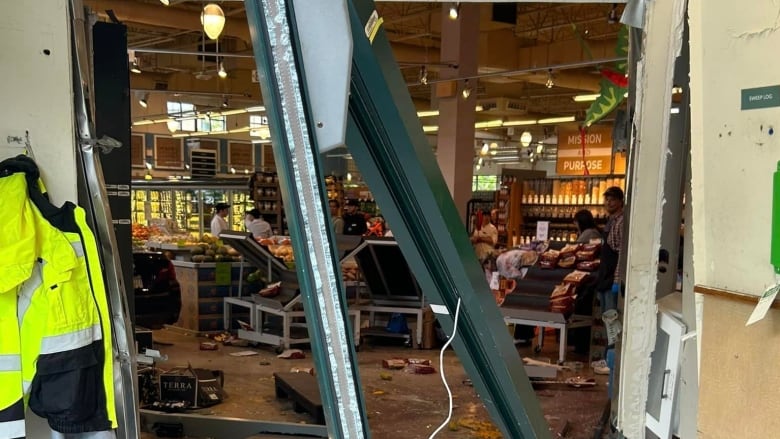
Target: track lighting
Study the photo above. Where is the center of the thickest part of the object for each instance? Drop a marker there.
(224, 103)
(454, 11)
(423, 75)
(539, 148)
(166, 2)
(550, 80)
(222, 73)
(466, 89)
(485, 149)
(134, 67)
(144, 101)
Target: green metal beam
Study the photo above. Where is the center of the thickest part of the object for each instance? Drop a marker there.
(387, 143)
(277, 49)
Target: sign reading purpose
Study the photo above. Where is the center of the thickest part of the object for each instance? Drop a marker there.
(598, 150)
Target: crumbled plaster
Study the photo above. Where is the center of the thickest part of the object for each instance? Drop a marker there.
(762, 32)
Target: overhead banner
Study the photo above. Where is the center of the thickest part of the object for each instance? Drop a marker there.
(597, 155)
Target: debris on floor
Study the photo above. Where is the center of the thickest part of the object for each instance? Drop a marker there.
(481, 429)
(208, 346)
(243, 354)
(419, 369)
(292, 354)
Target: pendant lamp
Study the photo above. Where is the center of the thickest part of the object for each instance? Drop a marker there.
(213, 20)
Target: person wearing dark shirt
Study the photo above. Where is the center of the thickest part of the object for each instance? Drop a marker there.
(354, 221)
(586, 226)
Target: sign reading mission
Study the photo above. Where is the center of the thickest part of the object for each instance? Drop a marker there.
(598, 150)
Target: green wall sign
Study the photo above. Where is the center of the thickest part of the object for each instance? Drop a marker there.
(761, 97)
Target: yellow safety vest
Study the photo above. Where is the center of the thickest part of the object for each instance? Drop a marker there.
(55, 326)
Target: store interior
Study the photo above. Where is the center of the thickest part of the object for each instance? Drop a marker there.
(547, 89)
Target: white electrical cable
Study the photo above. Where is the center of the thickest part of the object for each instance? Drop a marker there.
(441, 370)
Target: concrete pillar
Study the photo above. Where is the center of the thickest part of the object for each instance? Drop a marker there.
(455, 146)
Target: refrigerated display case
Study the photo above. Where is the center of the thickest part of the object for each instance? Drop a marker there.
(189, 203)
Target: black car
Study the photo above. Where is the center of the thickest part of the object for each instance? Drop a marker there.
(157, 292)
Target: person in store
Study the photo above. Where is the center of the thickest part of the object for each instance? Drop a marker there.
(338, 222)
(257, 225)
(586, 226)
(485, 236)
(354, 221)
(609, 280)
(219, 223)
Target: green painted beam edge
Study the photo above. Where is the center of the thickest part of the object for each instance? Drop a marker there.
(387, 143)
(319, 334)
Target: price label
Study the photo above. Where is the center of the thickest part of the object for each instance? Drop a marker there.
(542, 230)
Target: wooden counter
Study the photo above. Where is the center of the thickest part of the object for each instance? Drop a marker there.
(203, 287)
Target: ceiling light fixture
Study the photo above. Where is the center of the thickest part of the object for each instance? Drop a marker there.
(550, 80)
(173, 125)
(494, 145)
(423, 75)
(562, 119)
(478, 167)
(144, 101)
(675, 110)
(489, 124)
(430, 128)
(213, 20)
(224, 103)
(222, 73)
(539, 148)
(480, 161)
(166, 2)
(134, 67)
(479, 108)
(526, 138)
(677, 90)
(454, 10)
(586, 98)
(428, 113)
(485, 149)
(466, 89)
(515, 123)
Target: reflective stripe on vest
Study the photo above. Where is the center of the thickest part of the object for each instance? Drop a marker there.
(27, 290)
(78, 248)
(12, 420)
(10, 363)
(71, 341)
(12, 429)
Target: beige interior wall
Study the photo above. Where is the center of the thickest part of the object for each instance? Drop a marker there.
(36, 88)
(733, 159)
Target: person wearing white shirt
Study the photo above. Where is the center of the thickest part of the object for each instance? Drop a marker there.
(218, 223)
(256, 225)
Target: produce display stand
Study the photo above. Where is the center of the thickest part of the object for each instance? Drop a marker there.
(546, 319)
(528, 305)
(391, 286)
(286, 306)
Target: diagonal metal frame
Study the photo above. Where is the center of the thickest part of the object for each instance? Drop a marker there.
(278, 55)
(388, 145)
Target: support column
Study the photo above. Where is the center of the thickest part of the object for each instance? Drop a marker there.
(455, 144)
